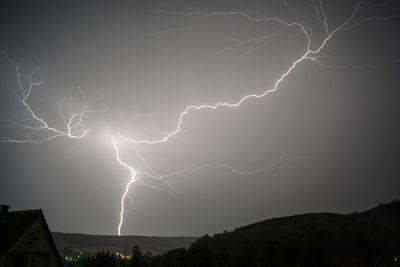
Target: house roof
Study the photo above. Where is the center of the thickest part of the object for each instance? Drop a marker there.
(13, 224)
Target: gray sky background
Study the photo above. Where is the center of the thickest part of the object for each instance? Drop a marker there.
(338, 128)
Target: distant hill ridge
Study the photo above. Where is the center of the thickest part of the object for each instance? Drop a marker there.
(391, 209)
(369, 238)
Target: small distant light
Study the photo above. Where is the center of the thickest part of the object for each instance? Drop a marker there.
(395, 259)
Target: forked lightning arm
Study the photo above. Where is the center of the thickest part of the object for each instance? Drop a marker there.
(35, 122)
(309, 54)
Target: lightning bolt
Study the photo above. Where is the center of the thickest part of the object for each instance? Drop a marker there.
(133, 179)
(151, 173)
(26, 85)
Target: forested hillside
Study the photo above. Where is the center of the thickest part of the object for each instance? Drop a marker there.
(370, 238)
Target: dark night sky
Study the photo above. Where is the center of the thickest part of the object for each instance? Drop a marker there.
(336, 129)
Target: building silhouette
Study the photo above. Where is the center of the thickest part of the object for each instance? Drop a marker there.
(25, 240)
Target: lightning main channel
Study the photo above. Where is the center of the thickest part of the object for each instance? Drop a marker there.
(133, 179)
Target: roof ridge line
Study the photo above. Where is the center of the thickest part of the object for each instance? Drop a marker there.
(22, 211)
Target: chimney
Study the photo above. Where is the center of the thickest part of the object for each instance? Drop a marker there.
(4, 209)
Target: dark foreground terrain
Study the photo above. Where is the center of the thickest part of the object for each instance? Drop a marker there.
(370, 238)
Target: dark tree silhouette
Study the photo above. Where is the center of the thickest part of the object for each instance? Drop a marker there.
(370, 238)
(101, 260)
(136, 256)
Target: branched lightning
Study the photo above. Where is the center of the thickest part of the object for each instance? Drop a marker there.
(137, 175)
(309, 54)
(23, 92)
(34, 122)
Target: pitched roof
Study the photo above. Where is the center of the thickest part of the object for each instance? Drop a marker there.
(13, 224)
